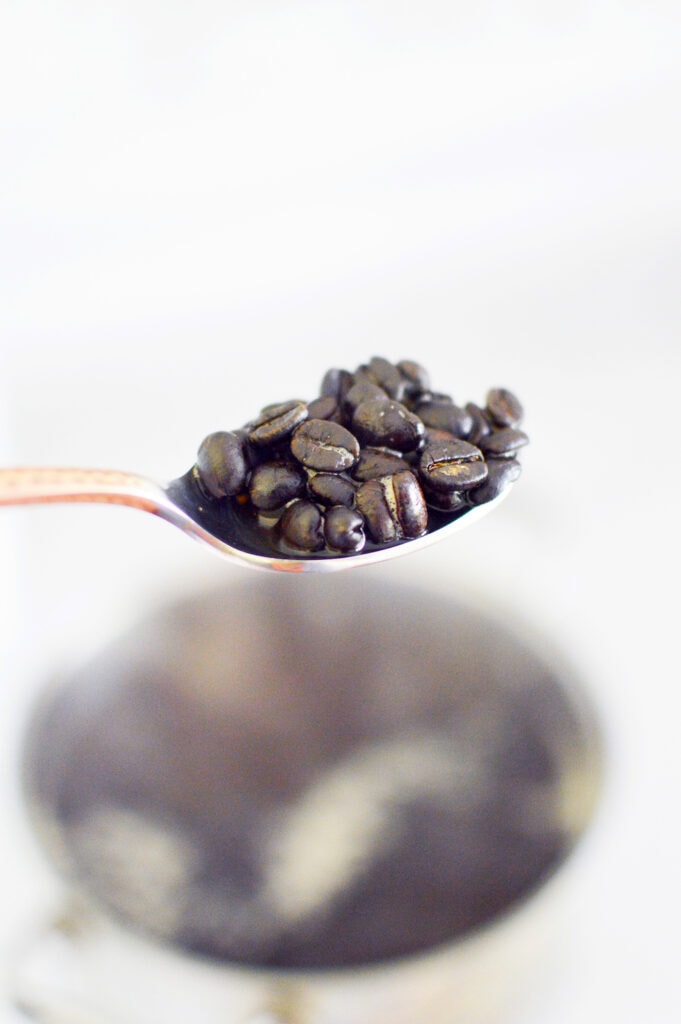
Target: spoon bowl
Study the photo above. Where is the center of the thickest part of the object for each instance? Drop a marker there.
(217, 525)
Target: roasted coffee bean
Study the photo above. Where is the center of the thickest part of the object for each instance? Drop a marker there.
(276, 422)
(332, 489)
(504, 408)
(446, 501)
(383, 373)
(275, 483)
(504, 443)
(445, 415)
(221, 464)
(410, 506)
(302, 525)
(384, 423)
(325, 446)
(481, 425)
(375, 462)
(324, 408)
(417, 379)
(394, 507)
(361, 391)
(452, 466)
(434, 435)
(344, 529)
(501, 473)
(336, 383)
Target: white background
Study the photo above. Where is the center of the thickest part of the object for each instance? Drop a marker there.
(203, 206)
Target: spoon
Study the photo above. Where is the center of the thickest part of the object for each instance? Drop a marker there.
(217, 525)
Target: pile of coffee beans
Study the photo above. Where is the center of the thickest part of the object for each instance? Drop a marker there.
(378, 458)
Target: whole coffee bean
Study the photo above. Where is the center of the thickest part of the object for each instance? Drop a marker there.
(324, 408)
(384, 423)
(332, 489)
(324, 445)
(501, 473)
(336, 383)
(276, 422)
(373, 504)
(481, 425)
(504, 407)
(394, 507)
(383, 373)
(302, 525)
(275, 483)
(452, 466)
(221, 464)
(417, 379)
(434, 435)
(361, 391)
(446, 501)
(504, 443)
(375, 462)
(445, 415)
(409, 503)
(344, 529)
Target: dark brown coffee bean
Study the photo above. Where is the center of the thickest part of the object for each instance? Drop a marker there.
(273, 484)
(434, 435)
(375, 462)
(336, 383)
(361, 391)
(373, 504)
(504, 408)
(394, 507)
(344, 529)
(445, 415)
(384, 423)
(324, 408)
(501, 473)
(446, 501)
(410, 506)
(332, 489)
(417, 379)
(325, 446)
(504, 443)
(481, 426)
(302, 525)
(452, 466)
(383, 373)
(276, 422)
(221, 464)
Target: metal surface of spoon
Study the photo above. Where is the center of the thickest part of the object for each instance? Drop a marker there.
(217, 525)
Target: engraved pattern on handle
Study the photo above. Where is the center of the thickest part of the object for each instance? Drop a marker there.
(38, 485)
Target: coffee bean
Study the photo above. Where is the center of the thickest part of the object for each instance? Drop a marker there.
(375, 462)
(324, 408)
(504, 443)
(344, 529)
(452, 466)
(384, 423)
(361, 391)
(383, 373)
(417, 379)
(273, 484)
(481, 426)
(325, 446)
(336, 383)
(504, 408)
(446, 501)
(332, 489)
(445, 415)
(501, 473)
(302, 525)
(276, 422)
(394, 507)
(221, 464)
(410, 505)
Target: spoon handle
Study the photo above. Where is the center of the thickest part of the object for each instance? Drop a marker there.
(28, 485)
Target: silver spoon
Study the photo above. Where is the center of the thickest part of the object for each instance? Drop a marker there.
(181, 504)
